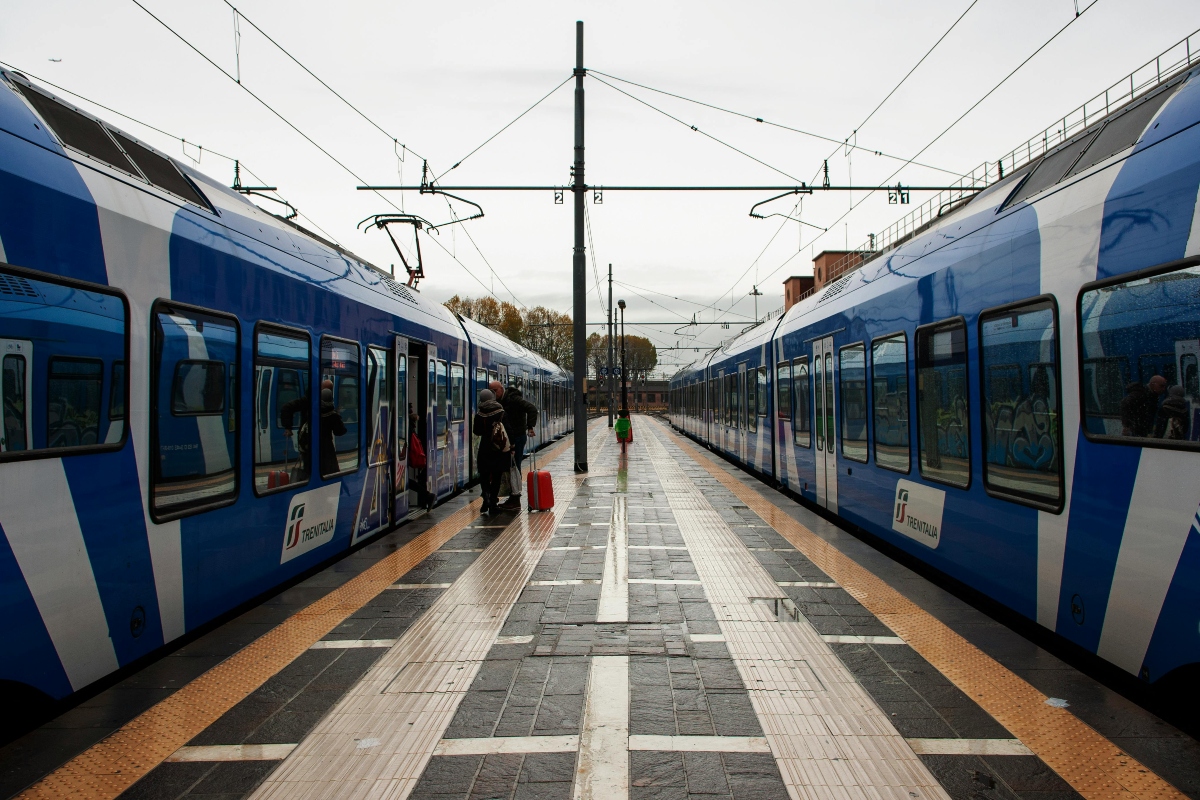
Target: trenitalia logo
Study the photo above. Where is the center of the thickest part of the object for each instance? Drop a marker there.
(311, 521)
(901, 504)
(918, 512)
(295, 520)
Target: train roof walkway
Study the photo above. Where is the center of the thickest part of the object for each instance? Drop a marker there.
(671, 629)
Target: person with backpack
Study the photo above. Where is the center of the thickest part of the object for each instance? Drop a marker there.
(495, 449)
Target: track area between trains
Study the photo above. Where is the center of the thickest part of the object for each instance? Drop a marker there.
(681, 632)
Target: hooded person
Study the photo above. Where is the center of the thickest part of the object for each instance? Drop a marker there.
(494, 448)
(331, 425)
(1173, 416)
(520, 423)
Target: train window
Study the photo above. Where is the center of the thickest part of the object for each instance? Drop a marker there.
(379, 399)
(750, 412)
(802, 424)
(783, 390)
(762, 391)
(852, 374)
(943, 412)
(16, 408)
(194, 466)
(77, 130)
(889, 393)
(441, 413)
(116, 392)
(198, 388)
(73, 401)
(58, 342)
(283, 423)
(1022, 427)
(1141, 341)
(158, 169)
(458, 392)
(819, 396)
(493, 376)
(338, 425)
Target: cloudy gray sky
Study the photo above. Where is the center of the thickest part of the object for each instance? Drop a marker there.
(441, 78)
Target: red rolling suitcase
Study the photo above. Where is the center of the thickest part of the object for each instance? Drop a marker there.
(540, 487)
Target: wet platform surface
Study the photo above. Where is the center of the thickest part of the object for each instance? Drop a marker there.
(671, 629)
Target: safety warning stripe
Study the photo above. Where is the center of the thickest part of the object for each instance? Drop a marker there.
(112, 765)
(1093, 765)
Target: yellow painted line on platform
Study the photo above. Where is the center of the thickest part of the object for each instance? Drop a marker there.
(1093, 765)
(115, 763)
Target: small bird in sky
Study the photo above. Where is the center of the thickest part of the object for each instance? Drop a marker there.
(56, 60)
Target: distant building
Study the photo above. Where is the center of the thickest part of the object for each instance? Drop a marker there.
(794, 288)
(832, 264)
(648, 396)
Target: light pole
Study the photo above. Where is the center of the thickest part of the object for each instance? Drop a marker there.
(624, 388)
(608, 379)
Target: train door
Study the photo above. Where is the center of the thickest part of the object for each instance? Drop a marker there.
(402, 405)
(419, 365)
(16, 394)
(375, 503)
(743, 441)
(823, 405)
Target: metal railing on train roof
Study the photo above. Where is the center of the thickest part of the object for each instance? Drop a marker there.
(1175, 59)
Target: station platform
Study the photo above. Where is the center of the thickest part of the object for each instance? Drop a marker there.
(671, 629)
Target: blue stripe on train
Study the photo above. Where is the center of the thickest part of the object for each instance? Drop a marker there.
(29, 654)
(108, 505)
(1180, 612)
(1094, 533)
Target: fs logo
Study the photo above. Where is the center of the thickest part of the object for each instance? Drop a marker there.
(901, 505)
(294, 523)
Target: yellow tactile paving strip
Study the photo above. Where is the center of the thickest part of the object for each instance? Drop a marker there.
(829, 738)
(377, 740)
(112, 765)
(1094, 766)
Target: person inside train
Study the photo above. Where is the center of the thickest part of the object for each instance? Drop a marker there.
(301, 406)
(332, 425)
(1172, 422)
(1139, 407)
(417, 461)
(520, 423)
(494, 449)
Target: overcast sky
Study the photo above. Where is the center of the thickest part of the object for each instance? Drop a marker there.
(441, 78)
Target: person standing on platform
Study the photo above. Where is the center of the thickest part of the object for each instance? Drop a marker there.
(494, 449)
(520, 422)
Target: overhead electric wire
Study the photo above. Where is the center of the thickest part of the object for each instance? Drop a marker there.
(317, 78)
(458, 163)
(955, 122)
(697, 130)
(303, 135)
(169, 135)
(768, 122)
(587, 219)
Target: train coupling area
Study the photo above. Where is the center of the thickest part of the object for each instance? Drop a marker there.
(672, 628)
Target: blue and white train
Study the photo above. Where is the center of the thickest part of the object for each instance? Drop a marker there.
(1011, 395)
(161, 342)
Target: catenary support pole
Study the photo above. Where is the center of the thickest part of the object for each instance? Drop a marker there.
(608, 379)
(579, 272)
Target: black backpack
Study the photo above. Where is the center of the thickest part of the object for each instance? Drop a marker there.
(500, 437)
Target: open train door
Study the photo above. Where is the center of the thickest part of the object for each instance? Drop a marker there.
(400, 431)
(826, 430)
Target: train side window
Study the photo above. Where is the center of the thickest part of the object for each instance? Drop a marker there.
(194, 461)
(338, 424)
(283, 425)
(889, 393)
(783, 389)
(1140, 341)
(1022, 427)
(750, 414)
(441, 414)
(852, 375)
(802, 425)
(16, 408)
(943, 411)
(458, 392)
(379, 399)
(58, 341)
(762, 391)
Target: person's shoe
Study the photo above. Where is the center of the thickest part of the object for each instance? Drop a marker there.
(511, 504)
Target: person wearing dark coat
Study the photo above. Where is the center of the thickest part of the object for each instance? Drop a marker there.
(520, 422)
(1172, 420)
(1138, 409)
(331, 426)
(494, 449)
